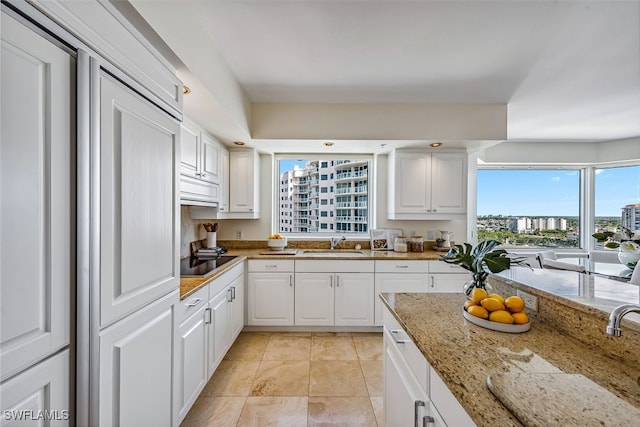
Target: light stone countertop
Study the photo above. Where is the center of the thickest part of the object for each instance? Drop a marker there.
(464, 355)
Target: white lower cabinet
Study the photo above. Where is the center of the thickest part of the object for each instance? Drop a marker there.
(210, 321)
(270, 291)
(38, 395)
(344, 297)
(414, 395)
(399, 276)
(136, 361)
(445, 277)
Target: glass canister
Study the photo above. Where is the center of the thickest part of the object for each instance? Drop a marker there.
(417, 244)
(400, 244)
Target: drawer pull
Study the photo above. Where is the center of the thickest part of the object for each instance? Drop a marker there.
(401, 266)
(271, 266)
(428, 419)
(194, 302)
(209, 318)
(416, 407)
(394, 334)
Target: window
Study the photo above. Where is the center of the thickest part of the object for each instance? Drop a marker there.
(617, 198)
(313, 207)
(530, 208)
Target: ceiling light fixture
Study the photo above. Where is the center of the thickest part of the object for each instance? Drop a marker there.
(436, 144)
(328, 144)
(238, 142)
(186, 90)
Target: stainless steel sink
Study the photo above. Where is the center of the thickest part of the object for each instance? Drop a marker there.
(333, 253)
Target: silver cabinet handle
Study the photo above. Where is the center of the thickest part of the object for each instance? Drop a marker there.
(337, 281)
(428, 419)
(394, 334)
(202, 175)
(209, 317)
(233, 293)
(229, 295)
(331, 281)
(271, 266)
(416, 406)
(401, 266)
(433, 282)
(291, 280)
(194, 302)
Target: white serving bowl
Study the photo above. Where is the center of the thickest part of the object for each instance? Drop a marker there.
(277, 244)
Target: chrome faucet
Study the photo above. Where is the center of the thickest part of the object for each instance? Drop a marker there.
(336, 241)
(613, 328)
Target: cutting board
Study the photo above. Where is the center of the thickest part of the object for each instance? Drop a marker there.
(558, 399)
(282, 252)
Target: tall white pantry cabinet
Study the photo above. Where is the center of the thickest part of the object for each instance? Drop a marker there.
(90, 217)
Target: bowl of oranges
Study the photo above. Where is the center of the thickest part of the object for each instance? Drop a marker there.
(493, 311)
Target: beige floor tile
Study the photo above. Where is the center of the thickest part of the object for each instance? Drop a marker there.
(287, 347)
(214, 412)
(378, 409)
(333, 348)
(372, 370)
(282, 378)
(368, 347)
(341, 411)
(336, 378)
(232, 378)
(248, 346)
(274, 411)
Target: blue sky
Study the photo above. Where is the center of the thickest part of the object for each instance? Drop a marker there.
(554, 192)
(287, 165)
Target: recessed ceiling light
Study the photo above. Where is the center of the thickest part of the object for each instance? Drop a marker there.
(328, 144)
(238, 142)
(186, 90)
(436, 144)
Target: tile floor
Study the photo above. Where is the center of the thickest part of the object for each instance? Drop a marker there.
(295, 379)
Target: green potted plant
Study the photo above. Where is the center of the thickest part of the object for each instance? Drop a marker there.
(481, 260)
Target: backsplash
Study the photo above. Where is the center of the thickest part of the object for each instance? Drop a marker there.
(190, 230)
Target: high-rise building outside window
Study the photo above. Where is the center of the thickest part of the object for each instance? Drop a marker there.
(617, 198)
(340, 204)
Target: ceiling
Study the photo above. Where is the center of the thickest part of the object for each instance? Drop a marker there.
(567, 70)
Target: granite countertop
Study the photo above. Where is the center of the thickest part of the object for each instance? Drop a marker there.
(189, 285)
(464, 355)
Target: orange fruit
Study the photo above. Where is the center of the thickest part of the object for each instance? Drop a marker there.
(501, 316)
(492, 304)
(477, 311)
(498, 297)
(468, 303)
(514, 304)
(478, 294)
(520, 318)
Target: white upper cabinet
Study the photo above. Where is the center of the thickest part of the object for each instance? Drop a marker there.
(426, 185)
(203, 173)
(244, 184)
(35, 197)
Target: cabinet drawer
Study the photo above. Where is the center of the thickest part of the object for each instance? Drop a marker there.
(411, 354)
(443, 267)
(401, 266)
(199, 190)
(274, 265)
(192, 303)
(334, 266)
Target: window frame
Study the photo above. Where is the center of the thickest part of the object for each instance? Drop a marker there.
(371, 198)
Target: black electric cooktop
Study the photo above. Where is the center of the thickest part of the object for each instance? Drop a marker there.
(201, 267)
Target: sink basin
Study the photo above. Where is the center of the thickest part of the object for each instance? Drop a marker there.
(335, 253)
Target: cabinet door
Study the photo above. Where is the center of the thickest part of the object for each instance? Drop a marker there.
(136, 367)
(314, 296)
(410, 182)
(43, 388)
(392, 282)
(209, 160)
(189, 150)
(354, 301)
(448, 183)
(242, 167)
(223, 200)
(193, 362)
(237, 307)
(270, 299)
(35, 195)
(139, 212)
(219, 338)
(404, 400)
(453, 283)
